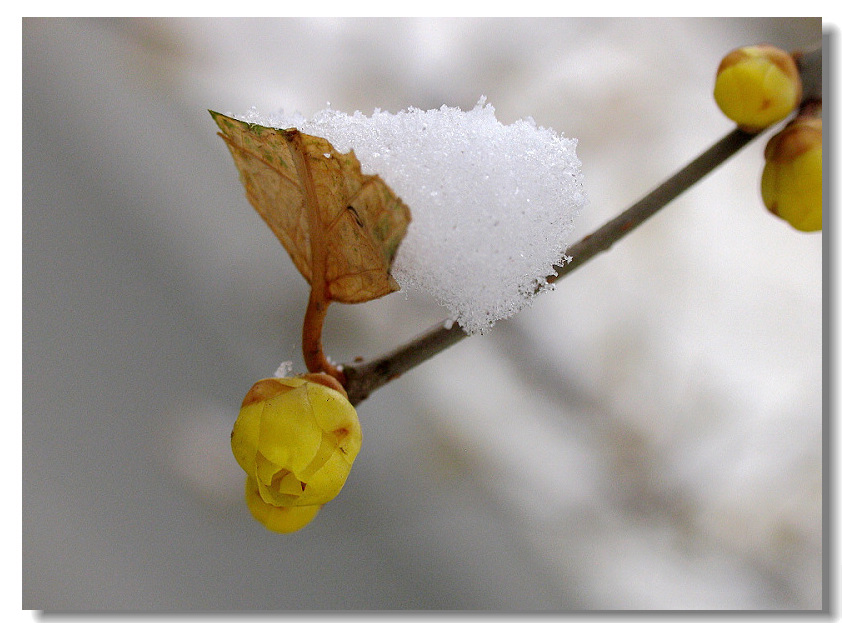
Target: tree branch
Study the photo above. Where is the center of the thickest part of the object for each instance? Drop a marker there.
(604, 237)
(361, 380)
(366, 377)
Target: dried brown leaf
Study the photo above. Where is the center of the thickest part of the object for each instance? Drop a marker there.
(340, 227)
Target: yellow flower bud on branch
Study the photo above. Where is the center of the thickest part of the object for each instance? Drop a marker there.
(296, 439)
(757, 86)
(791, 184)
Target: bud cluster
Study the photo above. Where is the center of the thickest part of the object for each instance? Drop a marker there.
(756, 87)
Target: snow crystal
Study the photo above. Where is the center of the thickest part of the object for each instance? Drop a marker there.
(284, 370)
(492, 205)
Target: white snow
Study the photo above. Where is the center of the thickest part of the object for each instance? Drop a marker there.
(492, 205)
(284, 370)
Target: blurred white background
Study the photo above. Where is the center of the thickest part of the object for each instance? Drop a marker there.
(647, 436)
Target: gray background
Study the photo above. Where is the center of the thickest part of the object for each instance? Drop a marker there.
(649, 435)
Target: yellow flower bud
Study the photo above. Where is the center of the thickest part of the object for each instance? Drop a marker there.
(757, 86)
(791, 184)
(296, 439)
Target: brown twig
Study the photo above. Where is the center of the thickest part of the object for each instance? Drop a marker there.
(361, 380)
(809, 64)
(364, 378)
(604, 237)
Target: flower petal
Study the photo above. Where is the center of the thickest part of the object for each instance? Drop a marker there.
(289, 436)
(277, 518)
(245, 435)
(333, 413)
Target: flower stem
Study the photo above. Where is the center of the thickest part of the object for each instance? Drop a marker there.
(311, 337)
(314, 318)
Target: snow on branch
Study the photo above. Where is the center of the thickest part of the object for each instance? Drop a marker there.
(493, 205)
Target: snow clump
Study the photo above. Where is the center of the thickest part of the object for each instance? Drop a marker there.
(492, 205)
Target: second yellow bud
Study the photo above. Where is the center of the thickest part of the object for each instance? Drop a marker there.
(791, 185)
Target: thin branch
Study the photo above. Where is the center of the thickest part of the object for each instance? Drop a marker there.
(604, 237)
(361, 380)
(364, 378)
(809, 64)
